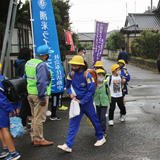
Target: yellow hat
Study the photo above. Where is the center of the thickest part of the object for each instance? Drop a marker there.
(77, 60)
(98, 64)
(121, 61)
(100, 71)
(114, 67)
(0, 65)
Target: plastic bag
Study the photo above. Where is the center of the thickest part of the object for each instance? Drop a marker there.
(74, 109)
(16, 127)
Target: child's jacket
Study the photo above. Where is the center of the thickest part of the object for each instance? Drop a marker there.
(101, 98)
(84, 88)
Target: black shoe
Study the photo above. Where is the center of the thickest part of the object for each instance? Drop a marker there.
(55, 118)
(104, 134)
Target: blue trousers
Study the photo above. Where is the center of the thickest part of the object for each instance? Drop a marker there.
(89, 110)
(101, 113)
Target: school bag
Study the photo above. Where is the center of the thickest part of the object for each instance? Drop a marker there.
(91, 71)
(15, 89)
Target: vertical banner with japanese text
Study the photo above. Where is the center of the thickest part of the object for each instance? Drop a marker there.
(45, 33)
(100, 40)
(69, 40)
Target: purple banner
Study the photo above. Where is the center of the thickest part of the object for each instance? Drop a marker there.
(100, 40)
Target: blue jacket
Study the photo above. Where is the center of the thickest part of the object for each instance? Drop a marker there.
(20, 67)
(84, 88)
(123, 55)
(43, 81)
(124, 73)
(8, 107)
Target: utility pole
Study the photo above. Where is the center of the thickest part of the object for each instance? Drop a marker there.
(135, 6)
(151, 5)
(126, 8)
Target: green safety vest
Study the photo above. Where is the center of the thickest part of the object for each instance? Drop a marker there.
(30, 69)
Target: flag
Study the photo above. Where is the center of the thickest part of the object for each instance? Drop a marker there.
(45, 33)
(99, 41)
(69, 40)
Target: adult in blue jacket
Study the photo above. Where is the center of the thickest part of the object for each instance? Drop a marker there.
(24, 55)
(39, 89)
(6, 111)
(123, 55)
(82, 87)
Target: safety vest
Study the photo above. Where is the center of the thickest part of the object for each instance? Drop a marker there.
(30, 69)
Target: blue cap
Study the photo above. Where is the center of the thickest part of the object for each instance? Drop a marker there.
(43, 50)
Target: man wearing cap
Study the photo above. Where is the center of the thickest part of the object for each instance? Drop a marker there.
(81, 86)
(39, 88)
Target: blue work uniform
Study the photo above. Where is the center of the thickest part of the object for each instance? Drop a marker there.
(84, 88)
(5, 107)
(124, 73)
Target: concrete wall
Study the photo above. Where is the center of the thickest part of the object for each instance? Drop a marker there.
(113, 55)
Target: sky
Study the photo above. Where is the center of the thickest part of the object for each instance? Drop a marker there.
(83, 13)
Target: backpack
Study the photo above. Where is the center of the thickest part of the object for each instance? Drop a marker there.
(107, 90)
(123, 86)
(91, 71)
(15, 89)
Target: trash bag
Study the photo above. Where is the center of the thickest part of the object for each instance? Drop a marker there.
(16, 127)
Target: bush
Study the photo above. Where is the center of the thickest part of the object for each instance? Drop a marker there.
(115, 41)
(147, 46)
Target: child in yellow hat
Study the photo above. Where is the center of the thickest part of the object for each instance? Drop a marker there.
(115, 83)
(102, 98)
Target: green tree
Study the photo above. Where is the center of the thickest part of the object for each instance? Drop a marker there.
(147, 45)
(115, 41)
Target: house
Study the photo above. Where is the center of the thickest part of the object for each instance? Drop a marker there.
(88, 38)
(21, 38)
(137, 22)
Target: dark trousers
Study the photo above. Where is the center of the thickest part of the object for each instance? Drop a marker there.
(121, 106)
(56, 102)
(101, 113)
(25, 111)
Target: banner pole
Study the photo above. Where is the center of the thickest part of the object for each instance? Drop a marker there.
(31, 19)
(93, 41)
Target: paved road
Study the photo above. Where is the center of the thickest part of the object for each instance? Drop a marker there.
(136, 139)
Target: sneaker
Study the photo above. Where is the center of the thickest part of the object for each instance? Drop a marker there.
(106, 115)
(48, 114)
(55, 118)
(29, 122)
(4, 153)
(100, 142)
(26, 130)
(122, 118)
(12, 156)
(111, 123)
(63, 108)
(65, 148)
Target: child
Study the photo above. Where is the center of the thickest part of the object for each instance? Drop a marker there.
(116, 93)
(84, 87)
(102, 99)
(6, 111)
(125, 74)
